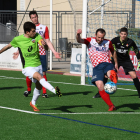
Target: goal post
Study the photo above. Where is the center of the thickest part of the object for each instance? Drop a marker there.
(84, 26)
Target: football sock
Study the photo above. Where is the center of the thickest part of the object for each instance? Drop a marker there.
(36, 94)
(137, 85)
(29, 83)
(44, 89)
(106, 97)
(47, 85)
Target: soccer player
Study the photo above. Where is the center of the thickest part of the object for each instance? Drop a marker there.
(99, 50)
(29, 52)
(43, 31)
(123, 45)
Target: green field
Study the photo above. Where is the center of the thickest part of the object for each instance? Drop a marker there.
(74, 116)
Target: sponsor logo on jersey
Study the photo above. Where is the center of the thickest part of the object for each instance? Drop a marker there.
(122, 51)
(30, 55)
(104, 49)
(33, 40)
(40, 32)
(118, 43)
(30, 48)
(41, 28)
(126, 45)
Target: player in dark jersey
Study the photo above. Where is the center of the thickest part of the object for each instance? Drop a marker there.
(123, 45)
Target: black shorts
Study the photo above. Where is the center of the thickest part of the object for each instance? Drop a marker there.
(127, 66)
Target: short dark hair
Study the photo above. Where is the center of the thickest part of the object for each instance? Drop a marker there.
(124, 29)
(32, 13)
(100, 30)
(28, 26)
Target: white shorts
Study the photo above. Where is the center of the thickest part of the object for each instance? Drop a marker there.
(29, 71)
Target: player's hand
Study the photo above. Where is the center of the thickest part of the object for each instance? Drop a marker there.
(57, 55)
(79, 31)
(138, 65)
(43, 42)
(15, 55)
(116, 67)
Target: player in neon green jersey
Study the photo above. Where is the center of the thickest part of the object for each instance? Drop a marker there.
(29, 51)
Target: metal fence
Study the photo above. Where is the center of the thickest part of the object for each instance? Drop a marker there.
(63, 28)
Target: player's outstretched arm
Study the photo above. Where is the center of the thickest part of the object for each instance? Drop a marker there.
(5, 48)
(50, 45)
(78, 37)
(115, 60)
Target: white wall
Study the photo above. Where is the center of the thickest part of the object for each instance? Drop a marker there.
(7, 61)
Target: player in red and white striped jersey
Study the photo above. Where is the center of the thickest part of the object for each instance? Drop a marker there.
(99, 52)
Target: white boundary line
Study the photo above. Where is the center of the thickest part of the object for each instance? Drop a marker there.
(30, 112)
(1, 77)
(78, 113)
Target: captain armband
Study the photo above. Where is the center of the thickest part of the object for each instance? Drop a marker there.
(40, 42)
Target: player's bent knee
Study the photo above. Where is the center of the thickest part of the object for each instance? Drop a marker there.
(100, 85)
(37, 76)
(133, 75)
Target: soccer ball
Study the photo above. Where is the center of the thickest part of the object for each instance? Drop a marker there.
(110, 87)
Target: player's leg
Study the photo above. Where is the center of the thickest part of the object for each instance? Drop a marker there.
(44, 68)
(35, 74)
(104, 95)
(130, 70)
(46, 84)
(97, 79)
(110, 72)
(36, 94)
(44, 95)
(136, 81)
(97, 94)
(29, 84)
(28, 72)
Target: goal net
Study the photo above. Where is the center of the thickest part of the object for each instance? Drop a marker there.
(110, 15)
(113, 15)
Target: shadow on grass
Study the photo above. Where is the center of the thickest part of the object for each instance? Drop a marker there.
(72, 93)
(125, 95)
(134, 106)
(66, 108)
(9, 88)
